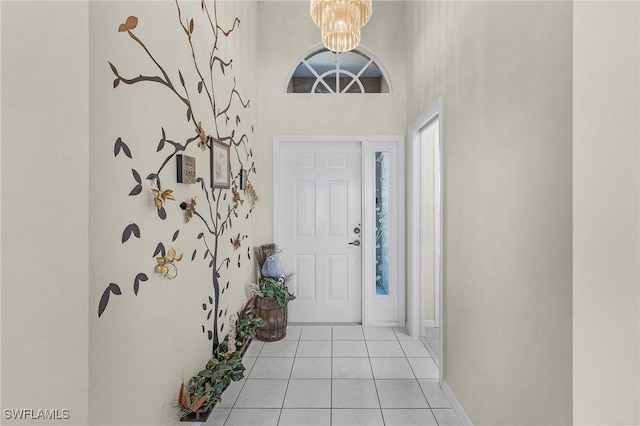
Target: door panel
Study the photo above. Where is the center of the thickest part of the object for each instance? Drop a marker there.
(305, 267)
(319, 205)
(338, 268)
(305, 208)
(338, 209)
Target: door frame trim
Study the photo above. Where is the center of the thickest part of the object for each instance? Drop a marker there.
(380, 307)
(416, 278)
(279, 140)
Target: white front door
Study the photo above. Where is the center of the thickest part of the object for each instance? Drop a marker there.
(319, 208)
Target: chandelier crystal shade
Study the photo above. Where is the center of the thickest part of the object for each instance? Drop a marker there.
(340, 21)
(340, 26)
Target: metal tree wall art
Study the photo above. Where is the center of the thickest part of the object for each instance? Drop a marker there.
(214, 106)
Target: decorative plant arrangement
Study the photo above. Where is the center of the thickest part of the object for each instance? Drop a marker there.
(215, 109)
(273, 288)
(271, 294)
(246, 328)
(272, 280)
(203, 391)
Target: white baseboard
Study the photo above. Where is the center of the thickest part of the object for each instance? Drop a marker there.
(428, 323)
(455, 404)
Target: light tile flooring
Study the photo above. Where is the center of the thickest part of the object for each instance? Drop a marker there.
(336, 376)
(431, 340)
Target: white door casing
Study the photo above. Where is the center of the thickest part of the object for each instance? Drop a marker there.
(320, 204)
(384, 310)
(312, 195)
(433, 115)
(429, 204)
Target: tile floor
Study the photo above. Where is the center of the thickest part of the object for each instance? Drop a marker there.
(431, 340)
(336, 376)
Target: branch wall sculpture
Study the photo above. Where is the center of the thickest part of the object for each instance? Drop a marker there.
(214, 106)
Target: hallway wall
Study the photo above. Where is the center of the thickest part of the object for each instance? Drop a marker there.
(45, 220)
(504, 72)
(606, 213)
(152, 336)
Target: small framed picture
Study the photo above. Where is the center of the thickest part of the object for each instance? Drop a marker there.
(243, 179)
(220, 165)
(186, 168)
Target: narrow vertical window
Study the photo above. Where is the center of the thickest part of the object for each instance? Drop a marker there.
(382, 223)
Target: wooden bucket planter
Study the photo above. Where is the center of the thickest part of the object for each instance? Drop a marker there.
(275, 319)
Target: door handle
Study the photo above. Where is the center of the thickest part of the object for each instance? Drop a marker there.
(355, 243)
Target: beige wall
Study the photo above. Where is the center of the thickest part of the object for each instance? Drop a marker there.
(606, 216)
(143, 346)
(504, 72)
(45, 239)
(150, 341)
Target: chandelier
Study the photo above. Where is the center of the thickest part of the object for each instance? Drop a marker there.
(340, 21)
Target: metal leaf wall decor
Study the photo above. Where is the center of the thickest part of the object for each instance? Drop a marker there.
(222, 120)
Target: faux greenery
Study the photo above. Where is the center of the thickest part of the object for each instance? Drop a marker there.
(246, 327)
(205, 389)
(272, 288)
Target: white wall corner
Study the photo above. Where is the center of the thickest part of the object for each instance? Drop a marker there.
(455, 404)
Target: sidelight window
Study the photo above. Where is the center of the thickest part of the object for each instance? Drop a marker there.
(382, 223)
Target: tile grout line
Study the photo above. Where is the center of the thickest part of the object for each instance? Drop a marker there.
(373, 376)
(334, 380)
(405, 356)
(233, 406)
(331, 380)
(284, 398)
(414, 373)
(418, 380)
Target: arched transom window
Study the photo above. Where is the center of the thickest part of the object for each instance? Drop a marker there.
(323, 71)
